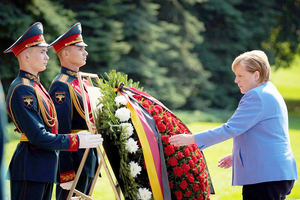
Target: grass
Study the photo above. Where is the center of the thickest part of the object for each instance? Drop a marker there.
(287, 80)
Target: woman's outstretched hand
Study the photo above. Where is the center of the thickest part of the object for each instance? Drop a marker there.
(182, 140)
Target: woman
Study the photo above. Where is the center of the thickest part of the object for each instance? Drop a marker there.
(262, 160)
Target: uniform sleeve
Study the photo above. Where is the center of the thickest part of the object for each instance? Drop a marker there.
(24, 107)
(247, 115)
(60, 95)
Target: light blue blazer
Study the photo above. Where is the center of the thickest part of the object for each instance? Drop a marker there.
(261, 145)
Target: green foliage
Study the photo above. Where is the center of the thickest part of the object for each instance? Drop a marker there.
(104, 35)
(181, 51)
(181, 33)
(285, 38)
(232, 27)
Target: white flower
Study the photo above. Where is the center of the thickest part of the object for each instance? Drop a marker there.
(135, 169)
(127, 129)
(123, 114)
(131, 145)
(121, 100)
(144, 194)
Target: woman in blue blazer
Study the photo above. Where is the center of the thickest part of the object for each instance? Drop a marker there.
(262, 160)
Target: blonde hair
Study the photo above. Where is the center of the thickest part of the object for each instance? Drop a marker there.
(255, 60)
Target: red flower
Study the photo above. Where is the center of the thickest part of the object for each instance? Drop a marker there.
(201, 178)
(169, 150)
(156, 118)
(185, 167)
(145, 104)
(171, 184)
(202, 164)
(195, 147)
(190, 177)
(165, 119)
(179, 155)
(183, 185)
(200, 197)
(154, 111)
(178, 195)
(138, 97)
(188, 193)
(177, 171)
(192, 164)
(174, 121)
(195, 170)
(172, 161)
(202, 187)
(149, 102)
(194, 158)
(172, 133)
(195, 187)
(165, 139)
(161, 127)
(169, 126)
(179, 131)
(168, 114)
(187, 152)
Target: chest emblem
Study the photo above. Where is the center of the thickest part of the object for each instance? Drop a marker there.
(60, 97)
(28, 101)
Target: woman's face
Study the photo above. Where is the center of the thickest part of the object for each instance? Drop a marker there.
(246, 80)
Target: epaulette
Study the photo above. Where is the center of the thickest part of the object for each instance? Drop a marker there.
(26, 81)
(63, 78)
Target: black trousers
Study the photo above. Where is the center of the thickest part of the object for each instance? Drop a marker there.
(30, 190)
(275, 190)
(84, 185)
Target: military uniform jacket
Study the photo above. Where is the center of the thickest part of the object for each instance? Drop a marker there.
(66, 95)
(32, 110)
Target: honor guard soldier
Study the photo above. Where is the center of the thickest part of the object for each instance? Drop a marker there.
(67, 97)
(33, 168)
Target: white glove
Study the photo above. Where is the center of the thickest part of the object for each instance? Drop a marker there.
(89, 140)
(76, 198)
(66, 185)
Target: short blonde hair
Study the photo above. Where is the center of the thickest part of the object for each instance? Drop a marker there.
(255, 60)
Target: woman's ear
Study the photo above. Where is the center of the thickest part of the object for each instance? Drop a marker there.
(257, 75)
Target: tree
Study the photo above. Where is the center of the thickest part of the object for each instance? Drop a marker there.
(232, 27)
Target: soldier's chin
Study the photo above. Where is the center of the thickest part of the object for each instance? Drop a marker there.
(43, 68)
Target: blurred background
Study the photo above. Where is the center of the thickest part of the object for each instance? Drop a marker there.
(179, 50)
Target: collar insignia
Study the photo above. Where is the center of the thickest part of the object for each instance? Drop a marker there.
(72, 73)
(32, 77)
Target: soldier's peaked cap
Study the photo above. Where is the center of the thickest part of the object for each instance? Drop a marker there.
(71, 37)
(32, 37)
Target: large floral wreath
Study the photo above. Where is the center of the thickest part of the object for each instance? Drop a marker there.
(186, 170)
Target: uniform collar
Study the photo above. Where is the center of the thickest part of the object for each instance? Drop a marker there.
(69, 72)
(28, 75)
